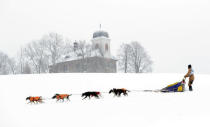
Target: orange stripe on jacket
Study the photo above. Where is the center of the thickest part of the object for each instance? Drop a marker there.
(62, 96)
(35, 98)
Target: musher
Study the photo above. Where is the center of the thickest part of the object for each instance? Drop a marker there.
(190, 74)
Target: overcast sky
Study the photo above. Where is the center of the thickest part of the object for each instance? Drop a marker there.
(174, 32)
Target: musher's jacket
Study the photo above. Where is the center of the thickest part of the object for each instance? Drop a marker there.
(190, 74)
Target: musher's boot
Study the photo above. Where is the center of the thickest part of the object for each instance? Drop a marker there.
(190, 88)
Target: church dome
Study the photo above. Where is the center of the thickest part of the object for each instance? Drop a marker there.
(100, 33)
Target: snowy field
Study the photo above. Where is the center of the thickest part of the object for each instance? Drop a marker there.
(138, 109)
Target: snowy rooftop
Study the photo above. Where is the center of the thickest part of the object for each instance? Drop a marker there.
(74, 56)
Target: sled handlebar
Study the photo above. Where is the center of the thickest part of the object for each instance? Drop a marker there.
(183, 79)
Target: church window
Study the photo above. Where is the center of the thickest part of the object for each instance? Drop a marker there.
(106, 47)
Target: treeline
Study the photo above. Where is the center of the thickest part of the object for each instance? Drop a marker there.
(37, 56)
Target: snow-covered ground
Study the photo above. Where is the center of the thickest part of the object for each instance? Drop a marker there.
(138, 109)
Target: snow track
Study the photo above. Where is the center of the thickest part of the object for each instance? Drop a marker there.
(137, 109)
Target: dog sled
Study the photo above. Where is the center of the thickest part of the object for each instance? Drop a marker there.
(175, 87)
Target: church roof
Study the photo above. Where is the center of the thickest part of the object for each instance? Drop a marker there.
(100, 33)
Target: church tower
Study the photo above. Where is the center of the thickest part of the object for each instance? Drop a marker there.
(101, 42)
(93, 63)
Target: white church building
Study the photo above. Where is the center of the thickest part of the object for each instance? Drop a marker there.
(103, 63)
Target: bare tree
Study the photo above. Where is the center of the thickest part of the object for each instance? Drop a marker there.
(82, 51)
(68, 47)
(37, 56)
(55, 47)
(21, 60)
(134, 58)
(7, 64)
(140, 60)
(27, 69)
(4, 69)
(124, 57)
(12, 65)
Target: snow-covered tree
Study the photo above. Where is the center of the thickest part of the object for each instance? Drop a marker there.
(21, 61)
(4, 69)
(140, 60)
(55, 47)
(7, 64)
(36, 54)
(124, 57)
(133, 58)
(82, 49)
(12, 65)
(26, 69)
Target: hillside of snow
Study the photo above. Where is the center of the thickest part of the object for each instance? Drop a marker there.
(138, 109)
